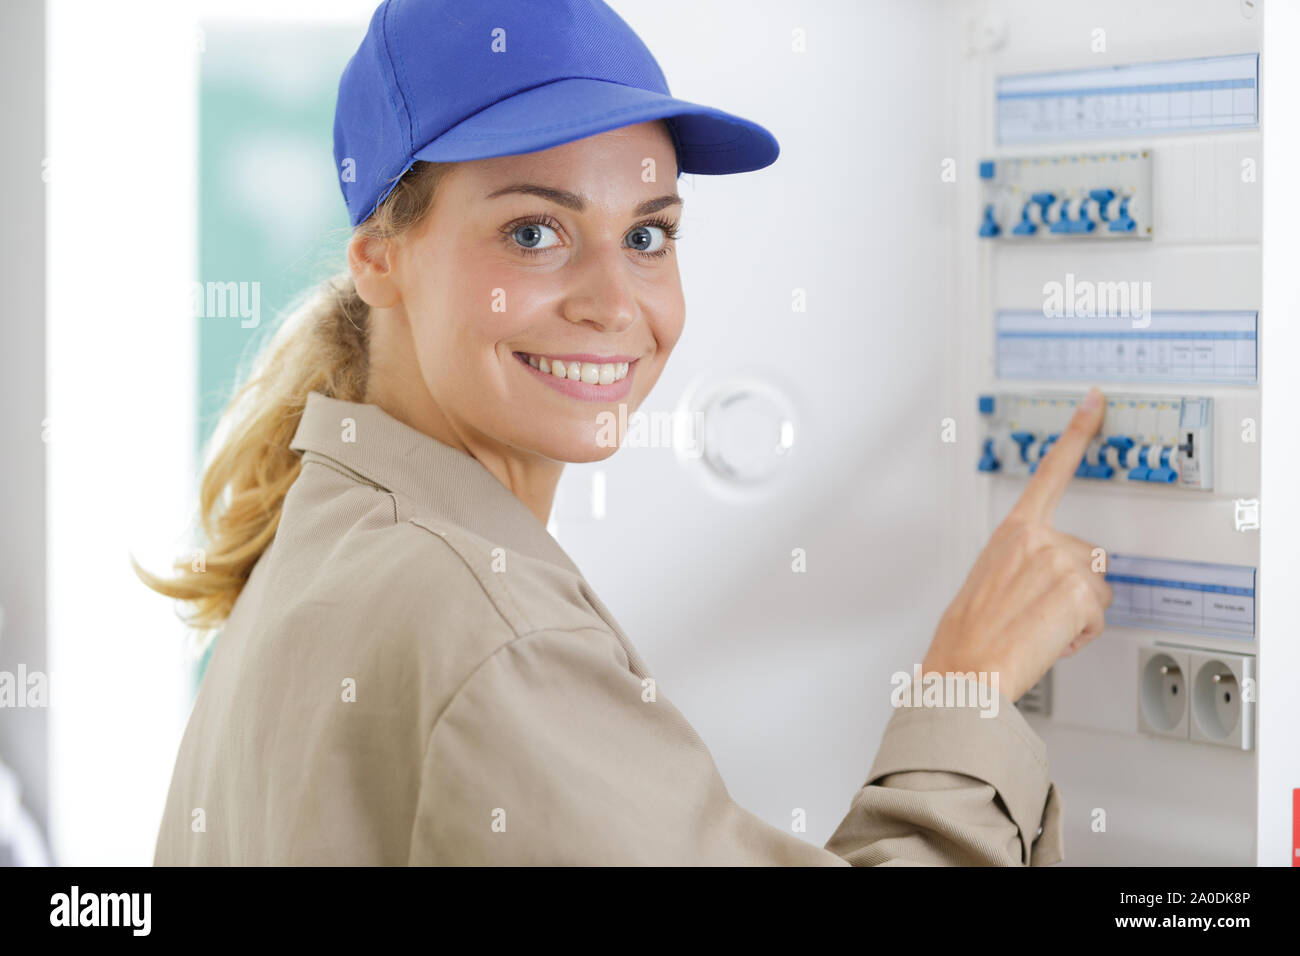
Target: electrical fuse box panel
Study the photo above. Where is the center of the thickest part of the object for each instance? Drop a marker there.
(1072, 196)
(1113, 226)
(1147, 439)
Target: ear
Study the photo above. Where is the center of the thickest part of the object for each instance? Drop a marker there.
(371, 261)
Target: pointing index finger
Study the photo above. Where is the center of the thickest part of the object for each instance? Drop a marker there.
(1052, 476)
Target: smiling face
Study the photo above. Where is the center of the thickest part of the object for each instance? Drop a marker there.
(542, 290)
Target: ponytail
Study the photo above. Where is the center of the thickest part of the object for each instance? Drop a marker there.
(323, 346)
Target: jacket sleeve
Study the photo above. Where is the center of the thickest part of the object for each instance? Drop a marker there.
(553, 752)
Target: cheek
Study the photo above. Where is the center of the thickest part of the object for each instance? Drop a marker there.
(465, 309)
(668, 317)
(491, 305)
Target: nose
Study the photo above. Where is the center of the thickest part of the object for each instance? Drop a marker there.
(602, 293)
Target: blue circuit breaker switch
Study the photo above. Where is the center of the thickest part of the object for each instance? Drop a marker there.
(1123, 222)
(1102, 197)
(1024, 440)
(1164, 474)
(1099, 468)
(1026, 226)
(986, 404)
(986, 169)
(1141, 471)
(989, 461)
(989, 227)
(1121, 444)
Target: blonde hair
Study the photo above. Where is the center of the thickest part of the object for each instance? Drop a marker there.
(322, 346)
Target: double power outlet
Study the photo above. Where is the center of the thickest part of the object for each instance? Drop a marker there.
(1199, 695)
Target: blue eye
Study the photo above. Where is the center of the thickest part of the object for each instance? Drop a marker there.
(643, 238)
(530, 235)
(652, 238)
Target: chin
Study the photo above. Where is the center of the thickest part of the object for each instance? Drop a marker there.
(586, 446)
(589, 452)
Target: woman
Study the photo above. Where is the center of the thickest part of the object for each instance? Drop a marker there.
(410, 669)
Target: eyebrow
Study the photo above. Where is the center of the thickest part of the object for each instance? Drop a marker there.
(578, 202)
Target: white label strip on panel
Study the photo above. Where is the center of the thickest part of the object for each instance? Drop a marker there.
(1182, 596)
(1204, 347)
(1175, 96)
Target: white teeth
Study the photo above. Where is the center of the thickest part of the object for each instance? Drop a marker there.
(592, 373)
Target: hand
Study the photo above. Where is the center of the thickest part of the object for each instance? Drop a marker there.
(1032, 596)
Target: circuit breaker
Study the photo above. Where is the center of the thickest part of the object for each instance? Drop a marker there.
(1074, 195)
(1151, 439)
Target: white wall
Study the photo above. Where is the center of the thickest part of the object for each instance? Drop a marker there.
(121, 219)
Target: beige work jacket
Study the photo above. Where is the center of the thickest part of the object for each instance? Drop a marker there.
(417, 673)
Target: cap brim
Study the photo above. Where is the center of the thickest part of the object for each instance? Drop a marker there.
(710, 141)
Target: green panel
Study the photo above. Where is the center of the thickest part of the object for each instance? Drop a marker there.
(270, 209)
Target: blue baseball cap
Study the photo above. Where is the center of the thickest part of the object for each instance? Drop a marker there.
(454, 80)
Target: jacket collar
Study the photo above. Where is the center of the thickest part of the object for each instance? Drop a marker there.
(402, 459)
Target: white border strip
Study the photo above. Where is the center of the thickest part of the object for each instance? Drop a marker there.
(121, 210)
(1279, 639)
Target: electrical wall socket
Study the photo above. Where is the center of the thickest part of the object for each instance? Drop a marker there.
(1163, 680)
(1223, 694)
